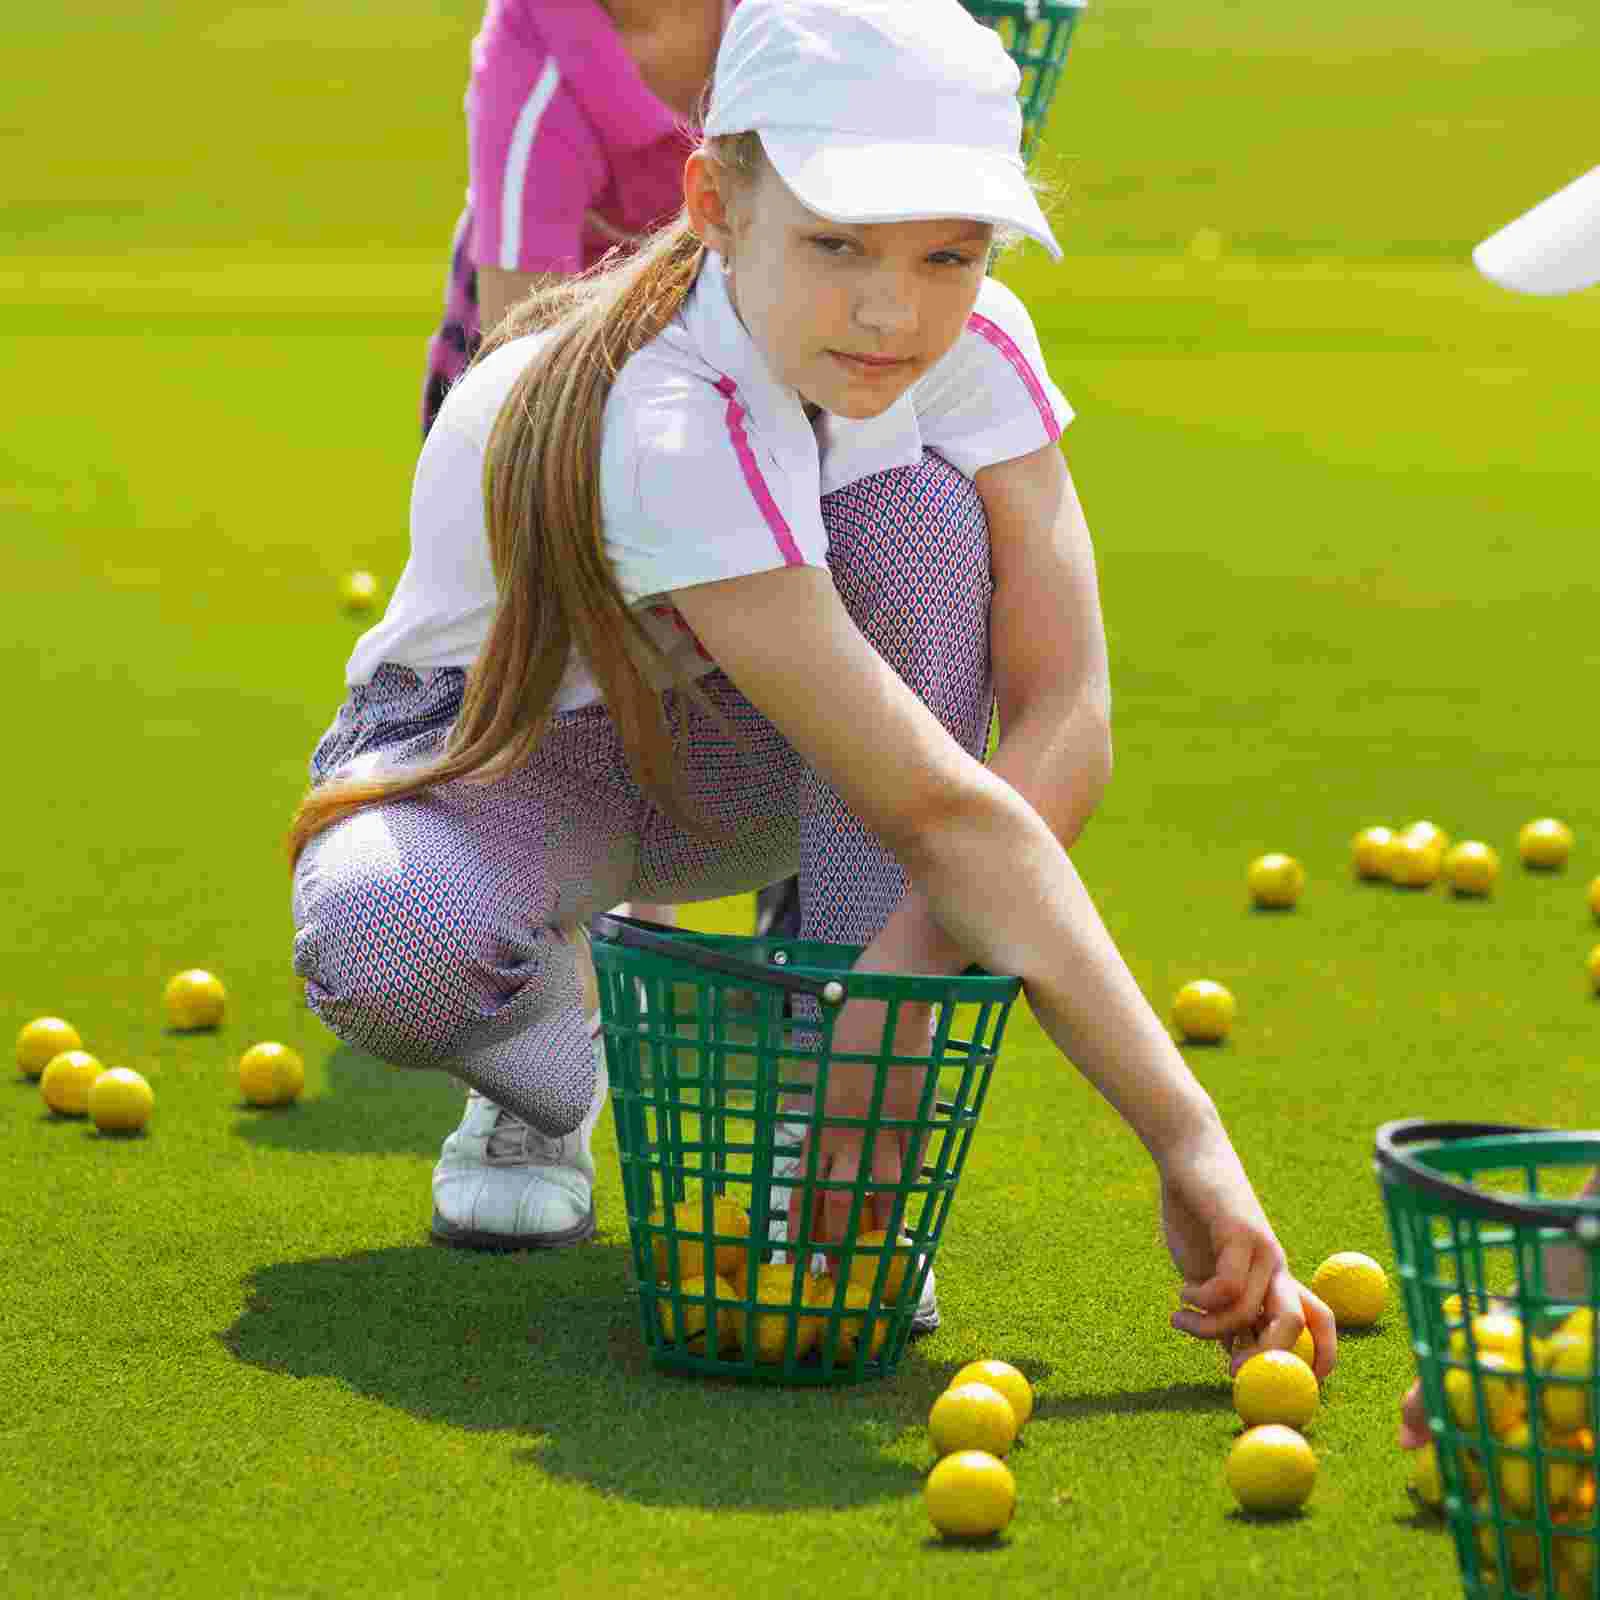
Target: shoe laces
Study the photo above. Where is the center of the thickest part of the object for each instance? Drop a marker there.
(512, 1139)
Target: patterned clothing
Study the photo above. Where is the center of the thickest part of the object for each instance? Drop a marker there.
(428, 929)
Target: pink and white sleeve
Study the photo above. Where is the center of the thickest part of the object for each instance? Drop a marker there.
(534, 167)
(991, 398)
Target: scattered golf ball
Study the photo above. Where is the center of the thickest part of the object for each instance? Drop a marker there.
(66, 1080)
(41, 1041)
(970, 1495)
(972, 1416)
(1415, 861)
(1370, 851)
(1594, 896)
(1594, 968)
(1275, 1386)
(1276, 881)
(1271, 1469)
(271, 1074)
(359, 591)
(194, 999)
(1472, 867)
(120, 1101)
(1545, 844)
(1003, 1376)
(1203, 1011)
(1429, 833)
(1353, 1286)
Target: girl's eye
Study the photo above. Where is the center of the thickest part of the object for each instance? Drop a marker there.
(831, 246)
(953, 258)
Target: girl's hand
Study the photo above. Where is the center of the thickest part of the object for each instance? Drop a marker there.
(859, 1030)
(1414, 1419)
(1237, 1287)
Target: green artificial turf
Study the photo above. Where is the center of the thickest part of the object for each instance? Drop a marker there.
(1343, 494)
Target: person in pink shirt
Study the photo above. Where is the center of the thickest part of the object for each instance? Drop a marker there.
(578, 126)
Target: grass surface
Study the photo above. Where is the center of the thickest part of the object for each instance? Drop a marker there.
(1343, 494)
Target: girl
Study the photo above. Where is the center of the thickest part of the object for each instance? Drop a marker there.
(670, 663)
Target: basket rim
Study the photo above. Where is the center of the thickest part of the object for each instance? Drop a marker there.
(730, 955)
(1397, 1166)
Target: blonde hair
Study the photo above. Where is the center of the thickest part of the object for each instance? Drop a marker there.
(557, 591)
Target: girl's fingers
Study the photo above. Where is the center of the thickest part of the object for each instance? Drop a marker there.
(1224, 1302)
(1324, 1332)
(1413, 1419)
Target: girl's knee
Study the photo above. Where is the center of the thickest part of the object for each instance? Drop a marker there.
(909, 553)
(393, 956)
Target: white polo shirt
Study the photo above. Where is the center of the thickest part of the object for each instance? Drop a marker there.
(709, 469)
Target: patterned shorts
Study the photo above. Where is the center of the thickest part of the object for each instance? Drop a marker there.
(431, 931)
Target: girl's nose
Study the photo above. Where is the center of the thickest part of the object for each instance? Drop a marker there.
(887, 310)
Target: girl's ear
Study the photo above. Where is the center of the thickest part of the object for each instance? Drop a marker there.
(705, 203)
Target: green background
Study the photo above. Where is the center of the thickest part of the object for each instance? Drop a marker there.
(1343, 494)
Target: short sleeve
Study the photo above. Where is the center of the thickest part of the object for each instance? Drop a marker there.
(535, 169)
(991, 398)
(691, 494)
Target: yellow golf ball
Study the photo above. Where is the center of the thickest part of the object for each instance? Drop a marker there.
(1271, 1469)
(359, 592)
(1545, 844)
(1276, 881)
(1415, 861)
(972, 1416)
(1203, 1011)
(66, 1080)
(1594, 896)
(120, 1101)
(1275, 1386)
(41, 1041)
(1003, 1376)
(970, 1495)
(1471, 867)
(1370, 851)
(194, 999)
(1426, 1482)
(1427, 833)
(1594, 968)
(271, 1074)
(1354, 1288)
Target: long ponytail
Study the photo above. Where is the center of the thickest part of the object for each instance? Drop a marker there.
(557, 591)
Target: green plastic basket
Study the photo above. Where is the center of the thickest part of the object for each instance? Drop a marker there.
(1473, 1209)
(700, 1046)
(1036, 34)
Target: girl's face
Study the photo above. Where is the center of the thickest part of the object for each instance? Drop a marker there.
(849, 315)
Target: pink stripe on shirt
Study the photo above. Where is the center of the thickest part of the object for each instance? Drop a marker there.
(748, 465)
(1006, 345)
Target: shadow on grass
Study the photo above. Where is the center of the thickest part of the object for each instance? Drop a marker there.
(547, 1349)
(1197, 1397)
(367, 1107)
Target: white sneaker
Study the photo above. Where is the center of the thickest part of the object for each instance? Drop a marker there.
(786, 1164)
(501, 1185)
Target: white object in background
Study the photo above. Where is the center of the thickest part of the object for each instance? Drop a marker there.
(1553, 249)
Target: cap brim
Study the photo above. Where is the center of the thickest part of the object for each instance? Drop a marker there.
(1552, 249)
(863, 181)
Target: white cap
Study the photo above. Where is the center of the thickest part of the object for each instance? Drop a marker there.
(1553, 249)
(880, 110)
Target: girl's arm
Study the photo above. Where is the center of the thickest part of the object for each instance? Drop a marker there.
(499, 290)
(1000, 885)
(1047, 647)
